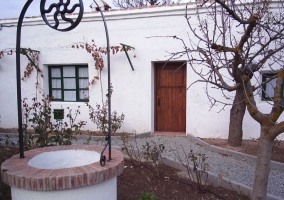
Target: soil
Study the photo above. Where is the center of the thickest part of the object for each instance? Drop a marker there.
(166, 184)
(250, 147)
(170, 185)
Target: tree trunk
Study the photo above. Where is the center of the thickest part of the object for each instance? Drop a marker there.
(265, 144)
(237, 113)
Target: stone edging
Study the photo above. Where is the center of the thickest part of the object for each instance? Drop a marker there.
(236, 154)
(15, 171)
(218, 181)
(139, 135)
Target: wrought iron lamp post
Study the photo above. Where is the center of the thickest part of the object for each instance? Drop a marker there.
(61, 8)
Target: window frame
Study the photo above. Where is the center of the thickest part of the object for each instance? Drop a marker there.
(265, 76)
(61, 78)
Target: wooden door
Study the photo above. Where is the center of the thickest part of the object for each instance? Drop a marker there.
(170, 97)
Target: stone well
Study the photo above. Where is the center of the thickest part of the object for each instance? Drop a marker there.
(70, 172)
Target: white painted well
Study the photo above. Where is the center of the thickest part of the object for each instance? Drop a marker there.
(67, 172)
(64, 159)
(103, 191)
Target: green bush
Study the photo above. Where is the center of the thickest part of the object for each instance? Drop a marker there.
(100, 117)
(46, 132)
(148, 196)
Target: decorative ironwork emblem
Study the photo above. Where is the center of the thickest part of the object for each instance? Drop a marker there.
(61, 10)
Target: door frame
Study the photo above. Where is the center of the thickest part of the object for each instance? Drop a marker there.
(154, 64)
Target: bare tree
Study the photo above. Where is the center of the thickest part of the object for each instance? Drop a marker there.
(235, 38)
(230, 44)
(140, 3)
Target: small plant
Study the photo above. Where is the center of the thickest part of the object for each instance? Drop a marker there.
(196, 166)
(147, 152)
(8, 142)
(45, 131)
(153, 153)
(88, 140)
(148, 196)
(63, 133)
(132, 150)
(100, 117)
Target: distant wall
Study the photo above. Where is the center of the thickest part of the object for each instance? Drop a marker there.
(133, 90)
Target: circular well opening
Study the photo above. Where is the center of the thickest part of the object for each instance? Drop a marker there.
(64, 159)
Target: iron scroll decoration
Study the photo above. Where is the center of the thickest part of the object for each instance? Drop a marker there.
(62, 8)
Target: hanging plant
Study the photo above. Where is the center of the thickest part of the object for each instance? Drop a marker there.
(5, 52)
(33, 63)
(97, 54)
(32, 56)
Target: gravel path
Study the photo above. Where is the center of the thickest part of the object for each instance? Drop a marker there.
(238, 170)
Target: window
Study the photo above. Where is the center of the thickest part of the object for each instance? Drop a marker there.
(268, 88)
(68, 83)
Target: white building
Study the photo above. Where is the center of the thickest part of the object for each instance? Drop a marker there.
(141, 94)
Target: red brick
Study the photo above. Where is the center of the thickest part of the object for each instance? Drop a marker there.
(17, 173)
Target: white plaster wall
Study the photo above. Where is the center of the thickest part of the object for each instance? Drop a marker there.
(133, 90)
(106, 190)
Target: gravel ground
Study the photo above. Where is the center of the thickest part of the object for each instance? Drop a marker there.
(238, 170)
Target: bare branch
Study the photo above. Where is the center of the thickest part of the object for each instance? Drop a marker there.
(250, 102)
(232, 13)
(278, 107)
(140, 3)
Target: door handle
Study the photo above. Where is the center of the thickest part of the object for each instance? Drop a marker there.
(158, 101)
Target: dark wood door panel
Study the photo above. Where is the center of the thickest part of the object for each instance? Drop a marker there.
(170, 112)
(171, 77)
(170, 102)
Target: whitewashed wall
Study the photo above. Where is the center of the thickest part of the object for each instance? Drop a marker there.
(133, 90)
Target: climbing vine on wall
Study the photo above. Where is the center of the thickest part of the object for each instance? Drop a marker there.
(5, 52)
(33, 63)
(32, 56)
(95, 51)
(97, 54)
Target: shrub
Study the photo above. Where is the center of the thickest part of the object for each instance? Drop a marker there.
(100, 117)
(45, 131)
(148, 196)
